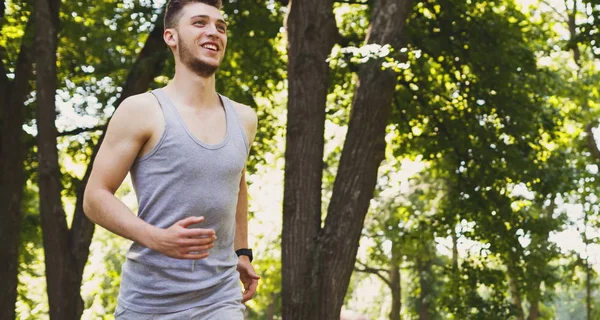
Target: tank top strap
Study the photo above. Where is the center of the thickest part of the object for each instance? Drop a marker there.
(234, 123)
(171, 118)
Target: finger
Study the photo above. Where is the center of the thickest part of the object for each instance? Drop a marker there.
(246, 285)
(199, 233)
(248, 294)
(189, 221)
(253, 287)
(192, 242)
(199, 248)
(195, 256)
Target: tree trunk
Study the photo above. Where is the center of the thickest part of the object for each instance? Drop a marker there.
(588, 268)
(12, 177)
(454, 251)
(66, 251)
(318, 263)
(270, 314)
(311, 32)
(514, 290)
(362, 154)
(425, 284)
(534, 307)
(535, 294)
(588, 289)
(63, 296)
(395, 286)
(455, 269)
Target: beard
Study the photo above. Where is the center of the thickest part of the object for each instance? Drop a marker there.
(198, 66)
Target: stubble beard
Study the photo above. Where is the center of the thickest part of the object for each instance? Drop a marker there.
(198, 66)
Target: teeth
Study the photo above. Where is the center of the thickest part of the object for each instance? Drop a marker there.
(210, 46)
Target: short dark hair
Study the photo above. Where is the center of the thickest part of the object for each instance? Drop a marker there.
(174, 7)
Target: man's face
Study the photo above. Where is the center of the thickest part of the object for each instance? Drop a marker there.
(202, 38)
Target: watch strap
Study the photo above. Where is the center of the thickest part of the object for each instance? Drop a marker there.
(244, 252)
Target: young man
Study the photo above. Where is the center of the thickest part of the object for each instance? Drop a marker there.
(186, 147)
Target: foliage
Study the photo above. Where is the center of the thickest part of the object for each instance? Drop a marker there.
(488, 148)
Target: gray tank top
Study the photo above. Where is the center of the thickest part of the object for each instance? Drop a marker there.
(182, 177)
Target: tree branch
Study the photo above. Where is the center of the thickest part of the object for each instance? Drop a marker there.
(563, 19)
(353, 2)
(81, 130)
(286, 2)
(375, 271)
(363, 151)
(573, 33)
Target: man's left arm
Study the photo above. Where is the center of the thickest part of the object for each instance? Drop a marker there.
(248, 276)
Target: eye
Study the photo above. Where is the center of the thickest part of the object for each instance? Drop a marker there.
(222, 28)
(200, 23)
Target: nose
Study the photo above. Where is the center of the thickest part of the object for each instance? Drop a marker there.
(211, 30)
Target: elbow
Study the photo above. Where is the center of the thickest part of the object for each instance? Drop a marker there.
(87, 203)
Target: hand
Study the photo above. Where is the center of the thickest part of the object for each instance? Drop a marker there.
(248, 277)
(179, 242)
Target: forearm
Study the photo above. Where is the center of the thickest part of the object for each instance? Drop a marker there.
(241, 218)
(106, 210)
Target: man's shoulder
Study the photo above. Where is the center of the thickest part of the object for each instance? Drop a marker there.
(245, 112)
(139, 102)
(139, 113)
(248, 119)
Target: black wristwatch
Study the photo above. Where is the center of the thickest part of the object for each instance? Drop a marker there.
(244, 252)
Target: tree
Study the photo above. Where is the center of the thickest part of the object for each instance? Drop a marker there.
(461, 106)
(401, 227)
(318, 260)
(54, 226)
(13, 94)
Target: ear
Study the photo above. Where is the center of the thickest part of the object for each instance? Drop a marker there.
(170, 37)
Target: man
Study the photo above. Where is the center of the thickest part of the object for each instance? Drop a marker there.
(186, 147)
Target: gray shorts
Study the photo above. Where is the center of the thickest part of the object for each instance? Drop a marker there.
(229, 310)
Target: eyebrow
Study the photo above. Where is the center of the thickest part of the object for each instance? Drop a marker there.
(207, 17)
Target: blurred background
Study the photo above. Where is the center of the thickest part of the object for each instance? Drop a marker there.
(484, 206)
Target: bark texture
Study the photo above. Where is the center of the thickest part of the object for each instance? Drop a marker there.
(588, 289)
(63, 296)
(395, 286)
(514, 289)
(535, 294)
(534, 308)
(425, 283)
(362, 154)
(318, 262)
(12, 177)
(311, 32)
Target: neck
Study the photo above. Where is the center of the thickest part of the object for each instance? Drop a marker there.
(189, 89)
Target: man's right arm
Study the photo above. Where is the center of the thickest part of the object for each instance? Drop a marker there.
(129, 130)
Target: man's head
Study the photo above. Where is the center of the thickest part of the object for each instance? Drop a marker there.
(196, 33)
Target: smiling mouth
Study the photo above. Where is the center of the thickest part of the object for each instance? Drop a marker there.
(210, 47)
